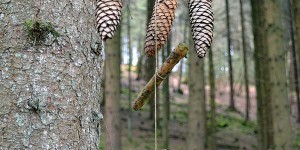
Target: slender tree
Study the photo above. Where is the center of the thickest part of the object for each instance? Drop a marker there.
(180, 69)
(50, 78)
(260, 75)
(140, 60)
(196, 136)
(245, 60)
(166, 101)
(212, 136)
(129, 69)
(231, 104)
(185, 29)
(112, 92)
(150, 61)
(296, 6)
(296, 48)
(271, 80)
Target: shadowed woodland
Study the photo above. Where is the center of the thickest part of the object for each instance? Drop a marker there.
(71, 72)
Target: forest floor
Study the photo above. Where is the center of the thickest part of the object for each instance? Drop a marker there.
(233, 133)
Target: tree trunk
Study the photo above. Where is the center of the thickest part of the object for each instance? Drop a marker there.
(260, 73)
(231, 104)
(296, 18)
(140, 60)
(273, 107)
(212, 137)
(49, 89)
(196, 106)
(150, 61)
(278, 80)
(296, 5)
(129, 70)
(112, 92)
(180, 78)
(185, 29)
(166, 102)
(245, 60)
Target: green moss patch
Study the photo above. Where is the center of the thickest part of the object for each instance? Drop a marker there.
(38, 31)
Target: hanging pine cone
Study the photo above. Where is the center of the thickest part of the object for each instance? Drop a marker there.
(201, 19)
(162, 19)
(108, 13)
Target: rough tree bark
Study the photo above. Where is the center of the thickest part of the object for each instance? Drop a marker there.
(278, 81)
(271, 81)
(112, 92)
(49, 90)
(196, 106)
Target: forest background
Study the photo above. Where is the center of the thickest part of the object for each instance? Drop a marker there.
(61, 88)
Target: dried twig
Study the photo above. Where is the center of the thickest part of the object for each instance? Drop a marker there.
(161, 74)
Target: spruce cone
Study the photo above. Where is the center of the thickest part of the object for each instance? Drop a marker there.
(108, 13)
(201, 19)
(163, 18)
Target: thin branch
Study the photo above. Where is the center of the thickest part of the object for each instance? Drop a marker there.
(161, 74)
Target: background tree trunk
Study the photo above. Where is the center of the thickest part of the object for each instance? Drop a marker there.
(296, 5)
(166, 101)
(296, 8)
(140, 63)
(260, 73)
(273, 107)
(212, 143)
(245, 60)
(231, 104)
(150, 61)
(294, 54)
(129, 70)
(196, 105)
(49, 91)
(278, 85)
(112, 92)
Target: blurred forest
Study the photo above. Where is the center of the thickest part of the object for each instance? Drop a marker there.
(65, 86)
(250, 77)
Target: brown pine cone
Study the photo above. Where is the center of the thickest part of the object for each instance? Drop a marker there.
(163, 18)
(108, 13)
(201, 19)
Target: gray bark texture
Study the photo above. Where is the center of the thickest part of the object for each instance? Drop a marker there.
(49, 90)
(274, 126)
(196, 135)
(112, 92)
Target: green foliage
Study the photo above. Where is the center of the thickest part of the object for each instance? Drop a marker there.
(180, 115)
(38, 31)
(232, 122)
